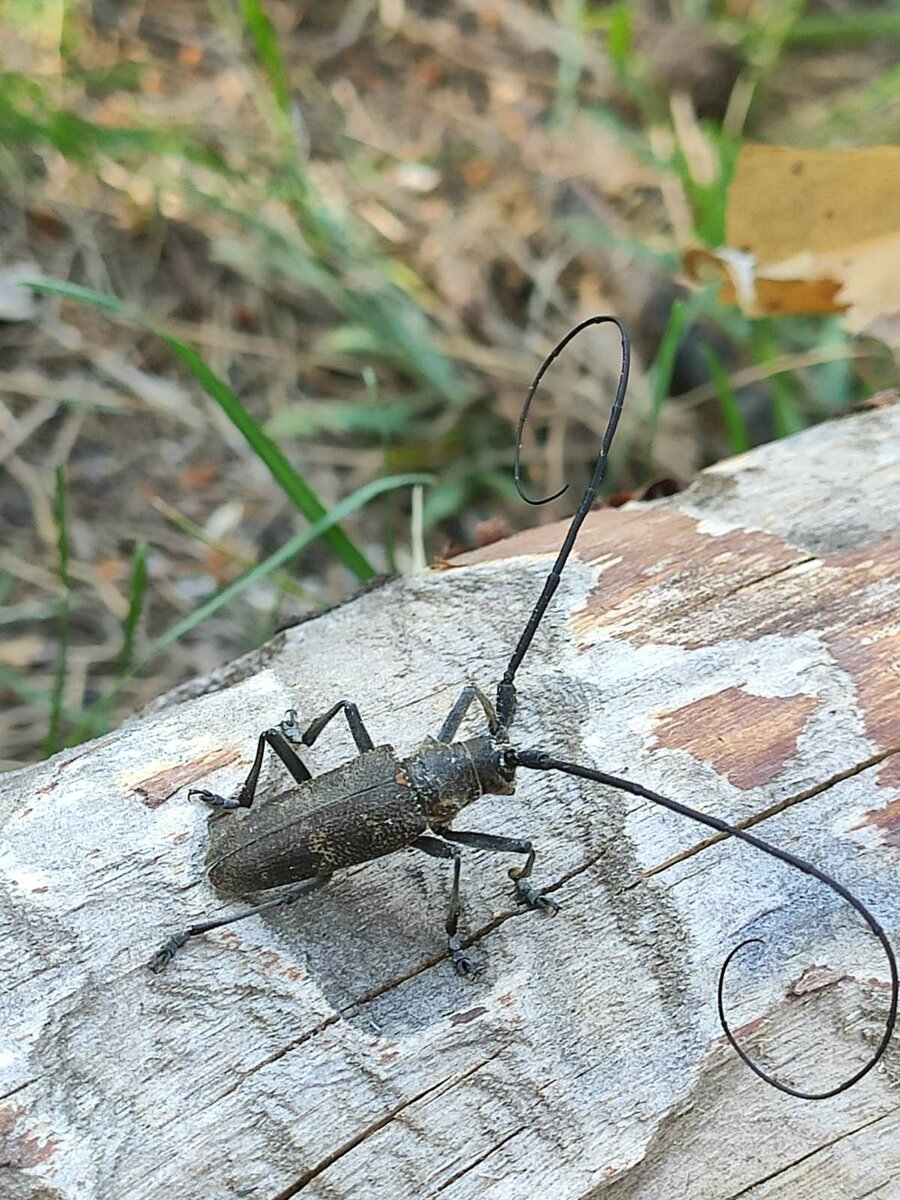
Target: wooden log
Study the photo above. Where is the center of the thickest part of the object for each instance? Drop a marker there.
(736, 647)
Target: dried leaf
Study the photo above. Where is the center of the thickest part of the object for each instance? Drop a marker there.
(812, 231)
(760, 295)
(783, 201)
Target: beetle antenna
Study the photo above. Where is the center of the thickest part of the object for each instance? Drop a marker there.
(506, 692)
(538, 761)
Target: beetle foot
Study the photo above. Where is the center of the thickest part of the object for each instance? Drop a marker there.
(212, 799)
(462, 963)
(289, 726)
(166, 953)
(529, 895)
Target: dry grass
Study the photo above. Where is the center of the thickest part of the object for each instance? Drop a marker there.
(372, 225)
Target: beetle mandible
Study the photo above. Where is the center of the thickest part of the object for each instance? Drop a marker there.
(381, 802)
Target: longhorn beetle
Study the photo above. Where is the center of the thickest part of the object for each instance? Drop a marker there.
(381, 802)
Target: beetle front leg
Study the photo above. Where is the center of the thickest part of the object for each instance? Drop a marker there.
(456, 714)
(526, 890)
(437, 849)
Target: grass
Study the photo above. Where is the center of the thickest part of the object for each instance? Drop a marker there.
(290, 481)
(325, 524)
(137, 593)
(732, 417)
(62, 645)
(95, 718)
(393, 376)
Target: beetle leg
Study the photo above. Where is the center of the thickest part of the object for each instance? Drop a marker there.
(285, 751)
(438, 849)
(456, 714)
(166, 953)
(491, 841)
(354, 720)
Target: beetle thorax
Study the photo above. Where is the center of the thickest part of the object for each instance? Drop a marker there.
(447, 778)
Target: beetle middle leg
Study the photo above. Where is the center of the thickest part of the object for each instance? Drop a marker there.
(505, 845)
(438, 849)
(361, 736)
(168, 950)
(285, 751)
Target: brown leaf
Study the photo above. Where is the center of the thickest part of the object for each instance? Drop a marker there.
(783, 201)
(812, 231)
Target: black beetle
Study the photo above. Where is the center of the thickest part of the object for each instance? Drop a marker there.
(380, 802)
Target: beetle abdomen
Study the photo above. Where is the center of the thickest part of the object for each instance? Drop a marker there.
(274, 846)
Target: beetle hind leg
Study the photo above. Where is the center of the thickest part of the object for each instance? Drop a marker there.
(361, 735)
(170, 948)
(277, 742)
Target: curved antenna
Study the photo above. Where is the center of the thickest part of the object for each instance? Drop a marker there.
(538, 761)
(506, 695)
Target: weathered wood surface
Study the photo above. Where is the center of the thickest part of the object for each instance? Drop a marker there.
(737, 647)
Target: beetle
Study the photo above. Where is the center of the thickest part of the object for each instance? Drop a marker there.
(381, 802)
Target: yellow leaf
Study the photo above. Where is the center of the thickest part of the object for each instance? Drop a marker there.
(812, 231)
(783, 201)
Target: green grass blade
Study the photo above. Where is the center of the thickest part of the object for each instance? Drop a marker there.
(51, 744)
(684, 314)
(787, 414)
(732, 417)
(619, 38)
(663, 366)
(266, 42)
(841, 28)
(293, 484)
(293, 546)
(136, 592)
(28, 118)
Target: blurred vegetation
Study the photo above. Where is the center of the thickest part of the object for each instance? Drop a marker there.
(371, 278)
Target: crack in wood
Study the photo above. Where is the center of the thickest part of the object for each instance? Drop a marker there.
(773, 810)
(716, 597)
(481, 1158)
(847, 1133)
(358, 1139)
(879, 1187)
